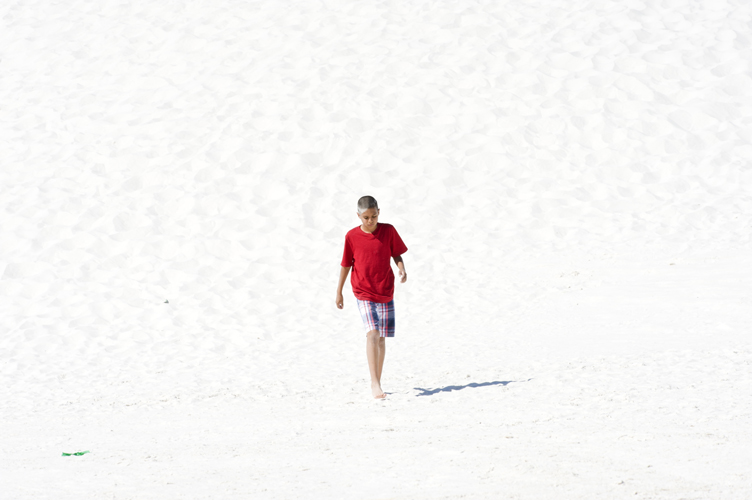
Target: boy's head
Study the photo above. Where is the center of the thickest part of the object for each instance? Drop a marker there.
(368, 212)
(366, 202)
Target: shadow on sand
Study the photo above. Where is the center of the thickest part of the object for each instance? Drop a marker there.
(450, 388)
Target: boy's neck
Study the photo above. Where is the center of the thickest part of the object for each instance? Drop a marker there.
(362, 228)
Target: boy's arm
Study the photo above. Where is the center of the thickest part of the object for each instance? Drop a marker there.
(401, 265)
(344, 271)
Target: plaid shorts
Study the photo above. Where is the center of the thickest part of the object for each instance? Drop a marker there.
(377, 316)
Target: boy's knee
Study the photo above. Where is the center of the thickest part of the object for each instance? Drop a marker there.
(373, 336)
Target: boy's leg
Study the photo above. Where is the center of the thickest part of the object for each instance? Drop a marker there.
(386, 320)
(375, 362)
(380, 360)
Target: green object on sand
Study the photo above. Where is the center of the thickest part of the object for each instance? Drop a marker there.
(78, 453)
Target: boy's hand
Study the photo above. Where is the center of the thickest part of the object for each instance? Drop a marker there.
(403, 275)
(340, 301)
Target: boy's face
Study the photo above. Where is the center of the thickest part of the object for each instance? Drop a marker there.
(369, 218)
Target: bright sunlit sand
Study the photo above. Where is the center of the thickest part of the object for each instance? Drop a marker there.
(573, 181)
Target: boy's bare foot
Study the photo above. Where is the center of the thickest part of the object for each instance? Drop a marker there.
(377, 392)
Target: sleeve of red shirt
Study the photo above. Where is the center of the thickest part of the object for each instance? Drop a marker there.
(398, 246)
(347, 255)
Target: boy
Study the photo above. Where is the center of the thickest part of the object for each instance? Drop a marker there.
(367, 251)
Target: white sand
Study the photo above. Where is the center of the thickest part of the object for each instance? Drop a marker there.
(573, 181)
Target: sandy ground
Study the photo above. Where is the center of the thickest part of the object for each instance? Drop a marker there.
(573, 181)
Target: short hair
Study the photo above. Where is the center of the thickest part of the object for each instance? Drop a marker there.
(366, 202)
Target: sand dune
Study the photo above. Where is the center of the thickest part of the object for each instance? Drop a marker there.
(573, 181)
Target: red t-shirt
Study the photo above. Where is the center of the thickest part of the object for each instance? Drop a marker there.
(368, 254)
